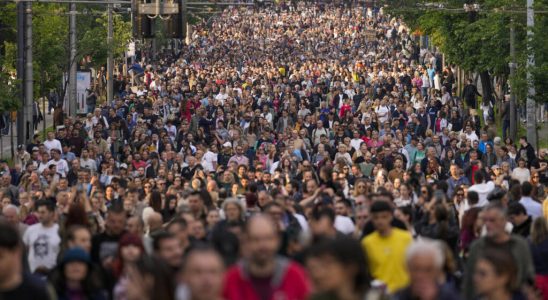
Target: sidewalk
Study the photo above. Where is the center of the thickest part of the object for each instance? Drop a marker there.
(5, 142)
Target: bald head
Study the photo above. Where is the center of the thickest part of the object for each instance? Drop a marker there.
(155, 221)
(11, 214)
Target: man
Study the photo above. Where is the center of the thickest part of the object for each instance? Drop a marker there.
(520, 220)
(22, 157)
(534, 209)
(105, 245)
(262, 274)
(61, 164)
(385, 248)
(505, 115)
(79, 237)
(11, 215)
(495, 219)
(10, 190)
(239, 158)
(425, 262)
(322, 223)
(318, 132)
(526, 151)
(167, 247)
(42, 239)
(209, 160)
(481, 187)
(179, 227)
(202, 274)
(284, 122)
(469, 94)
(52, 142)
(86, 162)
(91, 101)
(457, 178)
(397, 172)
(14, 283)
(470, 134)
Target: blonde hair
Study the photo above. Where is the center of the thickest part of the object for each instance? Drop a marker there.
(539, 230)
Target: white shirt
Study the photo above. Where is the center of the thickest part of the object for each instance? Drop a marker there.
(472, 136)
(483, 189)
(221, 98)
(533, 208)
(521, 174)
(382, 113)
(207, 161)
(344, 224)
(302, 221)
(62, 166)
(43, 245)
(53, 144)
(89, 164)
(355, 143)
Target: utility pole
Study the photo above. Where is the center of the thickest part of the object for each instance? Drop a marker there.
(71, 103)
(110, 60)
(531, 105)
(29, 80)
(21, 69)
(513, 115)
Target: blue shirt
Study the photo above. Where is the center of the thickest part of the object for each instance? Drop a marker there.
(533, 208)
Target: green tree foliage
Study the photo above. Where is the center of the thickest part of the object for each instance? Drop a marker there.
(480, 41)
(93, 42)
(8, 87)
(51, 40)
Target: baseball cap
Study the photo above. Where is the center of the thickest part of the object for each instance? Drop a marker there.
(227, 144)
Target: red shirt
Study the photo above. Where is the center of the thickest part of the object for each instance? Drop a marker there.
(289, 282)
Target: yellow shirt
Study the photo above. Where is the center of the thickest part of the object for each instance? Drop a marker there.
(386, 257)
(545, 208)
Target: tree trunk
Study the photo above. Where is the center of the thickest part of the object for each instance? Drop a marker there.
(11, 138)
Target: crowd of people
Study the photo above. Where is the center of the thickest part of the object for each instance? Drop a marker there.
(312, 151)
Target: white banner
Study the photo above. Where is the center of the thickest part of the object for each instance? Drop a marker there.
(83, 83)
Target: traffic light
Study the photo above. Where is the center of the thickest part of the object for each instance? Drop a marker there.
(142, 25)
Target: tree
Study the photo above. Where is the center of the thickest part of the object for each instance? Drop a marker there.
(478, 41)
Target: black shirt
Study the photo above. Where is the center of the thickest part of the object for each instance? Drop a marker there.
(30, 288)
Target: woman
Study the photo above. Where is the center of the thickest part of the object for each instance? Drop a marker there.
(405, 214)
(338, 270)
(406, 196)
(419, 154)
(130, 249)
(74, 277)
(470, 227)
(521, 172)
(439, 225)
(150, 278)
(448, 160)
(539, 251)
(495, 276)
(538, 187)
(233, 211)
